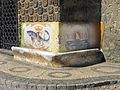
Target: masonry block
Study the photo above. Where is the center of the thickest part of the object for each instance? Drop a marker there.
(68, 25)
(62, 28)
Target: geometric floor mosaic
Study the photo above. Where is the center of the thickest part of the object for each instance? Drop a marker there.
(13, 70)
(16, 68)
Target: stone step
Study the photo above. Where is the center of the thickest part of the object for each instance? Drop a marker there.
(79, 58)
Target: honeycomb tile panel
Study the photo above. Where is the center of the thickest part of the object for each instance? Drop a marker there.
(9, 24)
(74, 10)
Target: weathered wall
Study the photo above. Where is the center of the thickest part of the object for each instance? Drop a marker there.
(111, 40)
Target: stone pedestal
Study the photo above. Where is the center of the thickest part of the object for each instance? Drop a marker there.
(57, 30)
(67, 25)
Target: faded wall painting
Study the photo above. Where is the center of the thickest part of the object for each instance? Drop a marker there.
(79, 36)
(40, 35)
(75, 24)
(60, 37)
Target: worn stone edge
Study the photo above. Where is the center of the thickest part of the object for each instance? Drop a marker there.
(55, 59)
(7, 52)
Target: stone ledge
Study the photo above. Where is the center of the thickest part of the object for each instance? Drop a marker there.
(74, 58)
(5, 51)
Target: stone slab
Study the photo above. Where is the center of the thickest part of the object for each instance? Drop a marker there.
(49, 59)
(52, 87)
(41, 87)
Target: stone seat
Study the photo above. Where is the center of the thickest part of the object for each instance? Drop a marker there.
(73, 58)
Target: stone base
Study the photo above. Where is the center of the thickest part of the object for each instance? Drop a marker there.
(75, 58)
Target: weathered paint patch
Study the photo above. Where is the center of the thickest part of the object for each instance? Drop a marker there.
(79, 36)
(40, 35)
(102, 33)
(59, 36)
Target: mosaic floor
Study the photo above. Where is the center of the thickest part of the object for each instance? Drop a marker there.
(14, 68)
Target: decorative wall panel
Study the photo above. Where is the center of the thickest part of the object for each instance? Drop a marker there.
(60, 37)
(78, 28)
